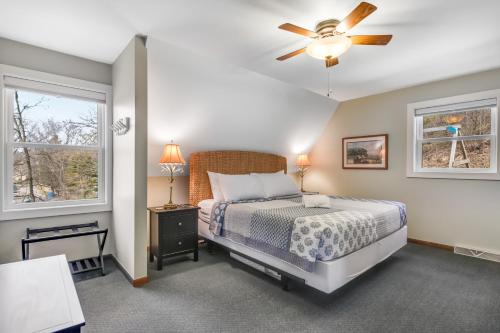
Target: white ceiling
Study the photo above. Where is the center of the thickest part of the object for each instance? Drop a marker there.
(432, 39)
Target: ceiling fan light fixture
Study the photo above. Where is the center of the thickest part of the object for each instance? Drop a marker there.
(329, 47)
(341, 28)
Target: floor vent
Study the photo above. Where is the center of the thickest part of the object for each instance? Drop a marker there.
(481, 254)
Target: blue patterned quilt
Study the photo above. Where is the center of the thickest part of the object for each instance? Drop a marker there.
(284, 228)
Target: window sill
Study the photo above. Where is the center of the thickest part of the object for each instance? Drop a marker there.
(454, 175)
(36, 212)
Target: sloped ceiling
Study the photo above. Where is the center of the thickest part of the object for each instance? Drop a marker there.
(209, 105)
(432, 39)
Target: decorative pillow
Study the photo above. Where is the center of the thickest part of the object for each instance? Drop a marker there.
(240, 187)
(214, 184)
(277, 184)
(316, 201)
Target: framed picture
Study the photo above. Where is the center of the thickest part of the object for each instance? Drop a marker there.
(365, 152)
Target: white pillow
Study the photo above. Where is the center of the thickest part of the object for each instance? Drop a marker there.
(281, 172)
(240, 187)
(214, 184)
(277, 184)
(316, 200)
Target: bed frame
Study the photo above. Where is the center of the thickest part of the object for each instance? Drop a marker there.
(329, 275)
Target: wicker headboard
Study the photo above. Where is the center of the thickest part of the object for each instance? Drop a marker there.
(230, 162)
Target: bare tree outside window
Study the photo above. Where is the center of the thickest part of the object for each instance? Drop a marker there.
(468, 153)
(55, 151)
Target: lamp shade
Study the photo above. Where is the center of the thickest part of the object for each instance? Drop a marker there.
(303, 161)
(172, 155)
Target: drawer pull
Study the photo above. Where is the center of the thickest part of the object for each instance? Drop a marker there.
(179, 224)
(180, 243)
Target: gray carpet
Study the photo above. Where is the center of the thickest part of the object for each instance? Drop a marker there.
(419, 289)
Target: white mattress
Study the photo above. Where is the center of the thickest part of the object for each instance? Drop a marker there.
(328, 275)
(205, 210)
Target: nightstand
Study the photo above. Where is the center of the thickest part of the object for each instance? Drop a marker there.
(173, 232)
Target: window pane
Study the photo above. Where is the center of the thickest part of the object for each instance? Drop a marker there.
(475, 155)
(43, 118)
(477, 122)
(478, 154)
(42, 175)
(436, 154)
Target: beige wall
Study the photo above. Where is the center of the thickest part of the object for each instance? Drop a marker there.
(36, 58)
(159, 190)
(448, 211)
(11, 231)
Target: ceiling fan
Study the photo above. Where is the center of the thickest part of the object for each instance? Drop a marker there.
(329, 39)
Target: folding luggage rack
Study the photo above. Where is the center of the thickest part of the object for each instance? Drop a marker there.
(77, 230)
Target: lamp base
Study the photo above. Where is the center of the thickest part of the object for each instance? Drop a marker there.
(170, 206)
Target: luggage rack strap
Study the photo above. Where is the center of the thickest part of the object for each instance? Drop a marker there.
(33, 235)
(31, 231)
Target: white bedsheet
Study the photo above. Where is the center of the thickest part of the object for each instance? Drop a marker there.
(206, 209)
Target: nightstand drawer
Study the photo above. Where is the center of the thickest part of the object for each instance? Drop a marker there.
(179, 243)
(177, 224)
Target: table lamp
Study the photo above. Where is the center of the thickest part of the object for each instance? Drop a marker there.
(171, 162)
(303, 164)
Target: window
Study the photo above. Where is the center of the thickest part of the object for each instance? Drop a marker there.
(55, 149)
(454, 137)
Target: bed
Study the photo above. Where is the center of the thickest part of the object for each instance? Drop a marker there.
(267, 233)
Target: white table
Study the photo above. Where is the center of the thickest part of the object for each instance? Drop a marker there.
(39, 295)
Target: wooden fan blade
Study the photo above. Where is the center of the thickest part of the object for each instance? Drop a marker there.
(298, 30)
(291, 54)
(371, 39)
(331, 62)
(357, 15)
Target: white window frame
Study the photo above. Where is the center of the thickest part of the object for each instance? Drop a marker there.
(10, 211)
(413, 150)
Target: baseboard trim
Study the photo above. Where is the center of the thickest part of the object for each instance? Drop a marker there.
(431, 244)
(140, 281)
(134, 282)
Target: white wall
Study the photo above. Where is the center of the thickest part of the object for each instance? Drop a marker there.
(31, 57)
(203, 104)
(129, 159)
(141, 155)
(447, 211)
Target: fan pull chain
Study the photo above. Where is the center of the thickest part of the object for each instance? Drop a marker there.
(330, 92)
